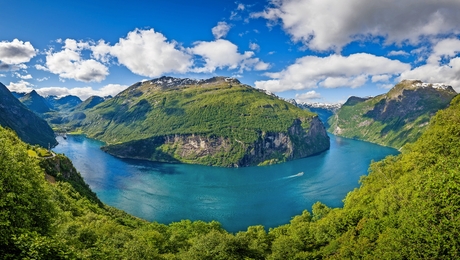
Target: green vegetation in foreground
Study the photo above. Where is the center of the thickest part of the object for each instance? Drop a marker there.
(406, 208)
(391, 119)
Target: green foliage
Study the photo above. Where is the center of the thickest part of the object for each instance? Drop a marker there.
(392, 119)
(148, 121)
(25, 207)
(406, 208)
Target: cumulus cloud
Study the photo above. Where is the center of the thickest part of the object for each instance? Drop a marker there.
(329, 24)
(398, 53)
(254, 46)
(331, 72)
(84, 92)
(16, 52)
(442, 66)
(68, 63)
(18, 75)
(21, 86)
(224, 54)
(220, 30)
(147, 53)
(307, 96)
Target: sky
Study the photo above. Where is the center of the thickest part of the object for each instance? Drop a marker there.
(310, 50)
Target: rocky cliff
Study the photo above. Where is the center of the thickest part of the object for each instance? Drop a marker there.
(29, 127)
(269, 148)
(216, 121)
(395, 118)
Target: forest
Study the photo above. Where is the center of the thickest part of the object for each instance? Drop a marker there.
(407, 207)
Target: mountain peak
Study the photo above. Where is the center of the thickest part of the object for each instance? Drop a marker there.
(171, 82)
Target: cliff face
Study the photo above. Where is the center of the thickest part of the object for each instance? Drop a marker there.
(29, 127)
(269, 148)
(395, 118)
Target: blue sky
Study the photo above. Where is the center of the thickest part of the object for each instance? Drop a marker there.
(310, 50)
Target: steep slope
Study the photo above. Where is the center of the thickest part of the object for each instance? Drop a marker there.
(29, 127)
(406, 208)
(218, 121)
(89, 103)
(392, 119)
(35, 102)
(63, 103)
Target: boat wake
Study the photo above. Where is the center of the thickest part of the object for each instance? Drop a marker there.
(293, 176)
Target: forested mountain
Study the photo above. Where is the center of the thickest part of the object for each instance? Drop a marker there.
(406, 208)
(217, 121)
(29, 127)
(392, 119)
(35, 102)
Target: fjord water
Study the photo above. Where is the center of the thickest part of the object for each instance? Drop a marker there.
(236, 197)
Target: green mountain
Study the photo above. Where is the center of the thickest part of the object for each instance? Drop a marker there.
(63, 103)
(29, 127)
(406, 208)
(35, 102)
(89, 103)
(392, 119)
(217, 121)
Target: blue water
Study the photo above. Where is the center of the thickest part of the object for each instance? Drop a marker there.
(236, 197)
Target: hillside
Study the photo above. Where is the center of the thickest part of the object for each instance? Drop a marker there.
(406, 208)
(392, 119)
(217, 121)
(29, 127)
(35, 102)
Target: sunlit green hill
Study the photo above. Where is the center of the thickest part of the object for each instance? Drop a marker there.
(392, 119)
(217, 121)
(406, 208)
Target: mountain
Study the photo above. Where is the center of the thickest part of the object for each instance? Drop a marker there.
(217, 121)
(63, 103)
(29, 127)
(406, 208)
(392, 119)
(35, 102)
(324, 111)
(18, 95)
(90, 103)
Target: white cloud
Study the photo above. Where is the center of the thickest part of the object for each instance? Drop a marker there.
(27, 76)
(220, 30)
(148, 53)
(16, 52)
(222, 54)
(84, 92)
(2, 75)
(381, 78)
(443, 65)
(330, 72)
(307, 96)
(254, 46)
(398, 53)
(68, 63)
(240, 7)
(329, 24)
(43, 79)
(22, 86)
(446, 48)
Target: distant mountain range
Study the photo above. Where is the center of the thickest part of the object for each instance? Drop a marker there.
(29, 127)
(216, 121)
(392, 119)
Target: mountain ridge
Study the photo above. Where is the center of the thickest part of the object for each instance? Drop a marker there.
(162, 109)
(392, 119)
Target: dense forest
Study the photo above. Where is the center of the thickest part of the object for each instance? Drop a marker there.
(407, 207)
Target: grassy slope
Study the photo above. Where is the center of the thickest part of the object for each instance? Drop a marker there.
(392, 119)
(407, 208)
(220, 109)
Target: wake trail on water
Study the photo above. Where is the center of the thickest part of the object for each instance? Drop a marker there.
(292, 176)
